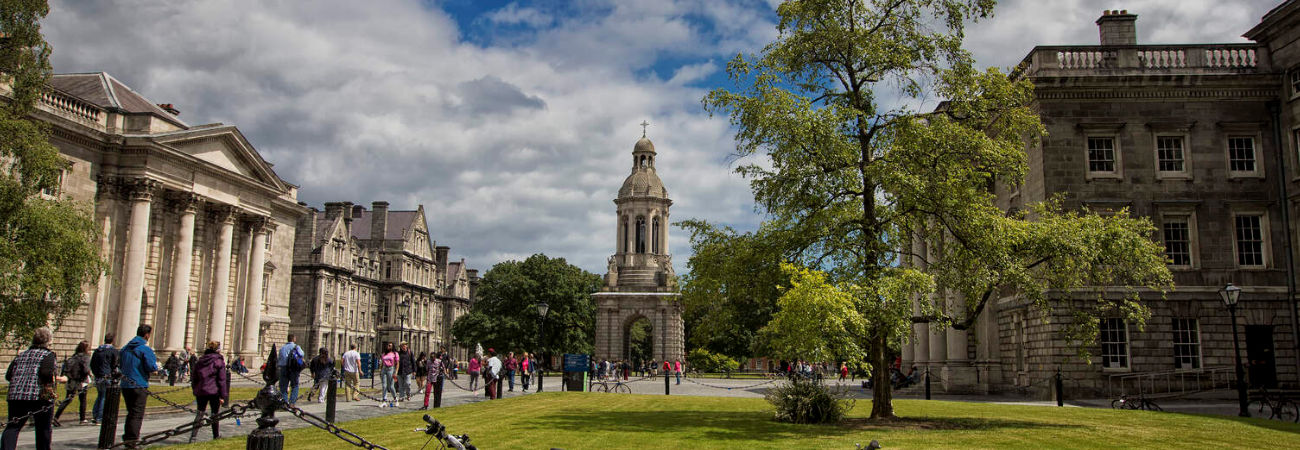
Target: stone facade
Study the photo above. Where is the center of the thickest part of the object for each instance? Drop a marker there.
(640, 284)
(352, 268)
(1186, 135)
(196, 227)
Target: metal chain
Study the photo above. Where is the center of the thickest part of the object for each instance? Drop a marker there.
(372, 397)
(45, 409)
(170, 403)
(173, 390)
(318, 422)
(235, 410)
(732, 387)
(453, 382)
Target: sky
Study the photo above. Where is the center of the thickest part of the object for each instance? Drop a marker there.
(512, 122)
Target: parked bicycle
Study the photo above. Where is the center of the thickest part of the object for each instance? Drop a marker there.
(1135, 402)
(436, 430)
(606, 386)
(1273, 406)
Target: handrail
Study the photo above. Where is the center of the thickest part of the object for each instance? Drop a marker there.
(1178, 381)
(65, 103)
(1191, 58)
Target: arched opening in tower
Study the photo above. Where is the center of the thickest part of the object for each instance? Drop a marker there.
(640, 234)
(638, 341)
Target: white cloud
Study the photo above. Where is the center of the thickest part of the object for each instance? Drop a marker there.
(513, 14)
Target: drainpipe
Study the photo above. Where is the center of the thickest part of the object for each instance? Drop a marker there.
(1274, 109)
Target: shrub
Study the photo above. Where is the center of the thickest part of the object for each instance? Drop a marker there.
(801, 400)
(706, 361)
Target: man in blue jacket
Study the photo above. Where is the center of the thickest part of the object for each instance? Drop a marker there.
(289, 372)
(138, 362)
(102, 365)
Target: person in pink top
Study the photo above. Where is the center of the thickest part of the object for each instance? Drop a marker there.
(474, 367)
(677, 367)
(525, 374)
(388, 373)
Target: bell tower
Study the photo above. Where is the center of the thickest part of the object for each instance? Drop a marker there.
(640, 284)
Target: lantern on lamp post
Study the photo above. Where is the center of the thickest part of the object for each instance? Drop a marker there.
(1231, 294)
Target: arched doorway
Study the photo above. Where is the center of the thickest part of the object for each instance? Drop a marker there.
(638, 340)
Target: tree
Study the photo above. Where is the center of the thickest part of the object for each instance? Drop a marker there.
(862, 176)
(47, 245)
(505, 315)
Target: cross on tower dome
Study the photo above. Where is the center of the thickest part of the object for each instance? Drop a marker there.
(643, 125)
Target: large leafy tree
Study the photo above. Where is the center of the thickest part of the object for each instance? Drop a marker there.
(862, 175)
(47, 250)
(505, 317)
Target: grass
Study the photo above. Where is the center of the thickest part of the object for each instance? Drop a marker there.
(585, 420)
(180, 396)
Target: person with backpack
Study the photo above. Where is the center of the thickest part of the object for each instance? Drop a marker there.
(77, 370)
(173, 368)
(210, 383)
(290, 363)
(321, 366)
(103, 364)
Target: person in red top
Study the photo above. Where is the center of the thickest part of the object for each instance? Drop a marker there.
(844, 371)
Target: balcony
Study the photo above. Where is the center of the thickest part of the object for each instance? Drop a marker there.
(1196, 59)
(72, 108)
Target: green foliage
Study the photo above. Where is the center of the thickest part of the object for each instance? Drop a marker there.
(802, 400)
(706, 361)
(47, 246)
(641, 337)
(815, 321)
(505, 315)
(858, 180)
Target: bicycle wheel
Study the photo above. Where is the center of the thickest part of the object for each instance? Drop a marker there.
(1117, 403)
(1149, 405)
(1259, 408)
(1287, 411)
(622, 388)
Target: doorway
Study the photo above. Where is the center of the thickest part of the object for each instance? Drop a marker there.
(638, 341)
(1259, 356)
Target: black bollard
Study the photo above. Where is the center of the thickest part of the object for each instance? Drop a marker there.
(266, 436)
(666, 384)
(437, 392)
(108, 428)
(1060, 389)
(927, 383)
(331, 398)
(499, 383)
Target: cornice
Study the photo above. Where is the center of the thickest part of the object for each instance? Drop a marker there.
(1162, 94)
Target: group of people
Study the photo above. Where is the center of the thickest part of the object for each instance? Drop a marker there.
(400, 369)
(493, 369)
(606, 369)
(33, 381)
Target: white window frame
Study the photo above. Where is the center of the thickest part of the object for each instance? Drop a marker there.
(1186, 172)
(1195, 333)
(1193, 244)
(1265, 242)
(1127, 342)
(1295, 82)
(57, 190)
(1255, 139)
(1116, 172)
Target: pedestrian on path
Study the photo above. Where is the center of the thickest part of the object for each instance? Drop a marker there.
(525, 365)
(103, 363)
(677, 367)
(351, 373)
(320, 366)
(173, 368)
(388, 374)
(77, 370)
(434, 369)
(210, 383)
(474, 367)
(511, 365)
(290, 364)
(31, 388)
(492, 373)
(183, 359)
(421, 371)
(138, 363)
(405, 370)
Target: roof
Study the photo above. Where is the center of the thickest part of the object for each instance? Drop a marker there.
(643, 182)
(398, 221)
(107, 92)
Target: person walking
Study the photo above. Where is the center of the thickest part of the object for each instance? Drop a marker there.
(320, 367)
(511, 365)
(184, 358)
(433, 369)
(844, 371)
(421, 371)
(351, 373)
(492, 373)
(138, 362)
(290, 364)
(103, 364)
(405, 369)
(210, 383)
(474, 367)
(677, 368)
(77, 370)
(31, 388)
(524, 374)
(173, 368)
(388, 374)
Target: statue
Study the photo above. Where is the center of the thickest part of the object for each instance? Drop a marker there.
(611, 278)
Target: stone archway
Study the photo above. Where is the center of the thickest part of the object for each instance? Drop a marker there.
(638, 339)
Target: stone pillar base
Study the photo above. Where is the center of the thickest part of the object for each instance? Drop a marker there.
(961, 378)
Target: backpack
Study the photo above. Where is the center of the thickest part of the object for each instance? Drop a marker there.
(295, 363)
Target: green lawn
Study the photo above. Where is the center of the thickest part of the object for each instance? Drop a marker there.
(585, 420)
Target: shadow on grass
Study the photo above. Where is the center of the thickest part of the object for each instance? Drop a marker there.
(733, 425)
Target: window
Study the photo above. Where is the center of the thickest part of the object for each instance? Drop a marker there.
(1022, 360)
(1250, 240)
(1187, 344)
(1101, 154)
(640, 235)
(268, 239)
(57, 188)
(1114, 344)
(1241, 154)
(1178, 241)
(1295, 81)
(1169, 154)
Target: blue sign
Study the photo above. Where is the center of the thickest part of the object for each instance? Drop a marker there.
(367, 365)
(576, 363)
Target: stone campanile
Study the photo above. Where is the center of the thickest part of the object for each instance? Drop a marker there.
(640, 283)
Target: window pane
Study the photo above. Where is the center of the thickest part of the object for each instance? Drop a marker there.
(1178, 242)
(1169, 153)
(1241, 154)
(1101, 154)
(1114, 343)
(1187, 344)
(1250, 241)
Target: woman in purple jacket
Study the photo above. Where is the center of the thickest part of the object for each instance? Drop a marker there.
(211, 382)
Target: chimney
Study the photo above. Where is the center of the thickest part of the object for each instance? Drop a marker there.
(440, 257)
(1118, 27)
(357, 210)
(473, 283)
(378, 220)
(333, 210)
(170, 109)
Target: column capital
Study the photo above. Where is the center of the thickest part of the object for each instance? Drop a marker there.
(185, 201)
(139, 189)
(257, 224)
(223, 214)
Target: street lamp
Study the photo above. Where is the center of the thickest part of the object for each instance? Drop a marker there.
(403, 309)
(1230, 295)
(542, 310)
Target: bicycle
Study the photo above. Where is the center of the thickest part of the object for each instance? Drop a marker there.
(1273, 406)
(1139, 402)
(437, 430)
(605, 386)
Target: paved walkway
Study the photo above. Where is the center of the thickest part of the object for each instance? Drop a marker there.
(85, 437)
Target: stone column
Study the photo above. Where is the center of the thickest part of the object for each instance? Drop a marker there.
(253, 298)
(99, 308)
(140, 195)
(181, 268)
(224, 216)
(958, 372)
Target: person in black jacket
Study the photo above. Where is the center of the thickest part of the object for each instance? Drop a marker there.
(173, 366)
(103, 366)
(77, 369)
(321, 366)
(405, 368)
(31, 389)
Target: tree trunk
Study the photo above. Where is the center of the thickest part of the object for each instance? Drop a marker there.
(882, 402)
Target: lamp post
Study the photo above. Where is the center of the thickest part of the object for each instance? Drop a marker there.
(403, 309)
(1230, 295)
(542, 310)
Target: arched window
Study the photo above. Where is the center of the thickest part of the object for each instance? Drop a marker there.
(623, 242)
(654, 248)
(640, 235)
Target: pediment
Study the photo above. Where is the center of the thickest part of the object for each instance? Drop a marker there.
(225, 148)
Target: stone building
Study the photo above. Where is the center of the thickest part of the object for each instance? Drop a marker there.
(196, 227)
(640, 284)
(1191, 137)
(366, 277)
